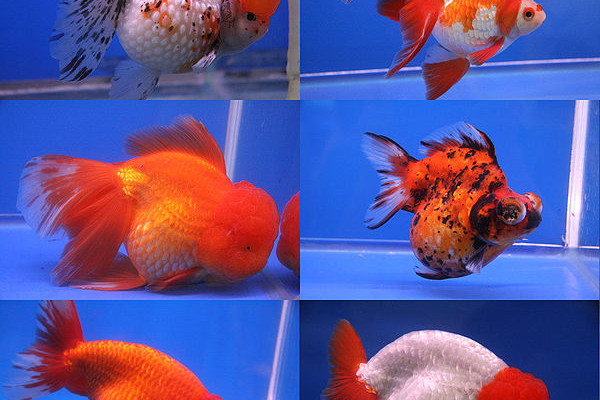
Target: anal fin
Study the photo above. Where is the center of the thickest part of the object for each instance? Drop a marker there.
(176, 280)
(441, 70)
(121, 275)
(133, 81)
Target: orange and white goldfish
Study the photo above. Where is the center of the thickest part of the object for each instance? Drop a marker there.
(181, 218)
(170, 36)
(467, 31)
(465, 213)
(100, 370)
(288, 248)
(424, 365)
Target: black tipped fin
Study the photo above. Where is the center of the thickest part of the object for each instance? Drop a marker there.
(460, 134)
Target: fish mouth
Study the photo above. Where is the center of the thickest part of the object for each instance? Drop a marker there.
(534, 219)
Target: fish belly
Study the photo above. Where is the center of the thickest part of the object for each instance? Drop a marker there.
(464, 29)
(169, 35)
(160, 243)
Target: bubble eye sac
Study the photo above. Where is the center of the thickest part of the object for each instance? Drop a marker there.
(528, 14)
(535, 201)
(511, 211)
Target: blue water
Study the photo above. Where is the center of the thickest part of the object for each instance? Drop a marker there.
(342, 259)
(96, 130)
(210, 338)
(340, 37)
(555, 341)
(26, 36)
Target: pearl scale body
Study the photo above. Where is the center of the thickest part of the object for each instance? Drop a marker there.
(169, 35)
(430, 365)
(464, 33)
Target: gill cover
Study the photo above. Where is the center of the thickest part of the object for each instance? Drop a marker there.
(243, 22)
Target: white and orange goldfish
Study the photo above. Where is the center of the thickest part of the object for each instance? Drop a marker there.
(467, 31)
(425, 365)
(171, 36)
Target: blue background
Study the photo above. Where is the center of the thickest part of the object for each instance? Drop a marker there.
(27, 28)
(557, 341)
(211, 338)
(336, 36)
(267, 156)
(532, 140)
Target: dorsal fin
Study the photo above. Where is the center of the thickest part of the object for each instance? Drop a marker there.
(184, 135)
(460, 134)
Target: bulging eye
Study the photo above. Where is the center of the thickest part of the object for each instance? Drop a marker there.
(528, 13)
(251, 16)
(511, 210)
(535, 201)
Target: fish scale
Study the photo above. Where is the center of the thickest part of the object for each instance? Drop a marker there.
(169, 35)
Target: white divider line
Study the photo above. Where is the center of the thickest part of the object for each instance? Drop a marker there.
(489, 64)
(576, 173)
(279, 347)
(231, 139)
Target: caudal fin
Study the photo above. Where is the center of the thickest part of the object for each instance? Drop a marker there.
(391, 162)
(417, 19)
(81, 199)
(41, 369)
(346, 353)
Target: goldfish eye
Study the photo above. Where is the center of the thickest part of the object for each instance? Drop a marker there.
(511, 210)
(250, 16)
(528, 13)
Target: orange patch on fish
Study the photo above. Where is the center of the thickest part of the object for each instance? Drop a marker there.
(464, 12)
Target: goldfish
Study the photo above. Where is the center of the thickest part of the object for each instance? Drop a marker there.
(101, 370)
(465, 213)
(288, 248)
(468, 32)
(182, 220)
(427, 364)
(159, 36)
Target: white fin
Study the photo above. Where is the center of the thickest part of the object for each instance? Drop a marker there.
(460, 134)
(133, 81)
(475, 262)
(206, 60)
(82, 32)
(390, 160)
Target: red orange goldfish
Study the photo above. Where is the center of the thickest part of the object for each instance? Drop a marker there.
(467, 31)
(288, 248)
(182, 220)
(465, 213)
(100, 370)
(424, 365)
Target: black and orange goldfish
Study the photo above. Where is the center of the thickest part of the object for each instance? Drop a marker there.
(465, 213)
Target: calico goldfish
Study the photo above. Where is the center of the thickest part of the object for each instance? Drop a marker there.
(424, 365)
(288, 248)
(182, 220)
(467, 31)
(159, 36)
(465, 213)
(101, 370)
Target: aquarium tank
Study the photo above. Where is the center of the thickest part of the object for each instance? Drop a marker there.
(546, 147)
(248, 132)
(27, 71)
(209, 337)
(556, 341)
(347, 57)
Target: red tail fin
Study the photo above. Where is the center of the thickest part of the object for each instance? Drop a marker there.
(346, 353)
(41, 369)
(83, 199)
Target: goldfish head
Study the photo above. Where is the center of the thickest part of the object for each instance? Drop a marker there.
(531, 15)
(502, 217)
(243, 22)
(240, 239)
